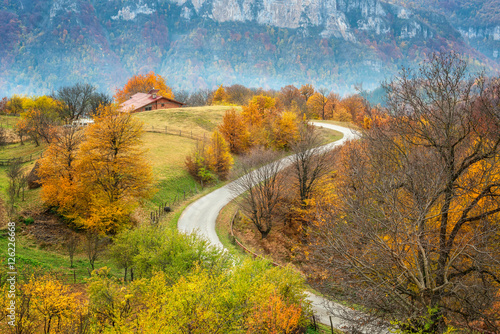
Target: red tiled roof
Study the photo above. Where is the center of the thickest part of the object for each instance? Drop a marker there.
(140, 100)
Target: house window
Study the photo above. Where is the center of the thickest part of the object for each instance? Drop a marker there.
(148, 108)
(163, 104)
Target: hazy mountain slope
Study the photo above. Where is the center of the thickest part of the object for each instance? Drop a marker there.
(203, 43)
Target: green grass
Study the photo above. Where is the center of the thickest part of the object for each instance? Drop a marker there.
(7, 121)
(329, 136)
(17, 150)
(30, 255)
(167, 154)
(198, 120)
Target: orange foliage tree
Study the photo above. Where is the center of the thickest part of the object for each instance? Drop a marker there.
(275, 316)
(234, 131)
(98, 181)
(285, 130)
(414, 226)
(143, 83)
(210, 161)
(59, 177)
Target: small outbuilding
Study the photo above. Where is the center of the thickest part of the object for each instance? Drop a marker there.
(149, 101)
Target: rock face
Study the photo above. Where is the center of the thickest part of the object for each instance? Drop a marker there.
(336, 18)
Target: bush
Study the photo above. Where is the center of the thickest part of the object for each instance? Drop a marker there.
(28, 221)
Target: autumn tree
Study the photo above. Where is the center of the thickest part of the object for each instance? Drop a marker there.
(44, 305)
(234, 131)
(258, 107)
(58, 174)
(285, 130)
(413, 231)
(98, 101)
(220, 96)
(112, 169)
(289, 94)
(97, 177)
(218, 156)
(307, 91)
(40, 118)
(143, 83)
(355, 106)
(317, 104)
(261, 186)
(239, 94)
(210, 161)
(15, 105)
(259, 115)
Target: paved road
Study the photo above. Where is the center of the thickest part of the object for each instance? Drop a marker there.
(201, 215)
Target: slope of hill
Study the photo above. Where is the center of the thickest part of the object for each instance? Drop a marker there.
(203, 43)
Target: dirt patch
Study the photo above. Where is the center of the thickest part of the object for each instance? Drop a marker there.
(47, 229)
(281, 245)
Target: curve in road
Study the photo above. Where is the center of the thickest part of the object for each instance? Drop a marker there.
(200, 217)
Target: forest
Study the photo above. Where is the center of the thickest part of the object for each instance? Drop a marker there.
(400, 224)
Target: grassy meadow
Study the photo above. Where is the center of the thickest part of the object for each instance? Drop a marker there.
(198, 120)
(166, 153)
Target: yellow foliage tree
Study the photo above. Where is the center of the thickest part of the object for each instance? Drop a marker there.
(220, 96)
(143, 83)
(44, 305)
(96, 178)
(234, 131)
(218, 156)
(40, 117)
(316, 106)
(285, 130)
(112, 168)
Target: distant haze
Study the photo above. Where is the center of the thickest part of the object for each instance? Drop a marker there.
(199, 44)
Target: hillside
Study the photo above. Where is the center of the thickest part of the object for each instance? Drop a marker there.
(204, 43)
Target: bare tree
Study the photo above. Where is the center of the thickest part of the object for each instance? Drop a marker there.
(200, 98)
(15, 174)
(261, 186)
(413, 231)
(98, 100)
(71, 244)
(95, 244)
(76, 99)
(309, 161)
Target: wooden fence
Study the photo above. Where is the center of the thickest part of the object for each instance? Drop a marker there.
(175, 132)
(167, 206)
(27, 158)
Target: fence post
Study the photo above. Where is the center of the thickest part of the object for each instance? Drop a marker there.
(180, 133)
(166, 131)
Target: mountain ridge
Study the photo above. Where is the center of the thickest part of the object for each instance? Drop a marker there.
(204, 43)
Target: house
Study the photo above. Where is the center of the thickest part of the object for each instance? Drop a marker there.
(150, 101)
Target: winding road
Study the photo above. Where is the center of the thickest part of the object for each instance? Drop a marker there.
(200, 217)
